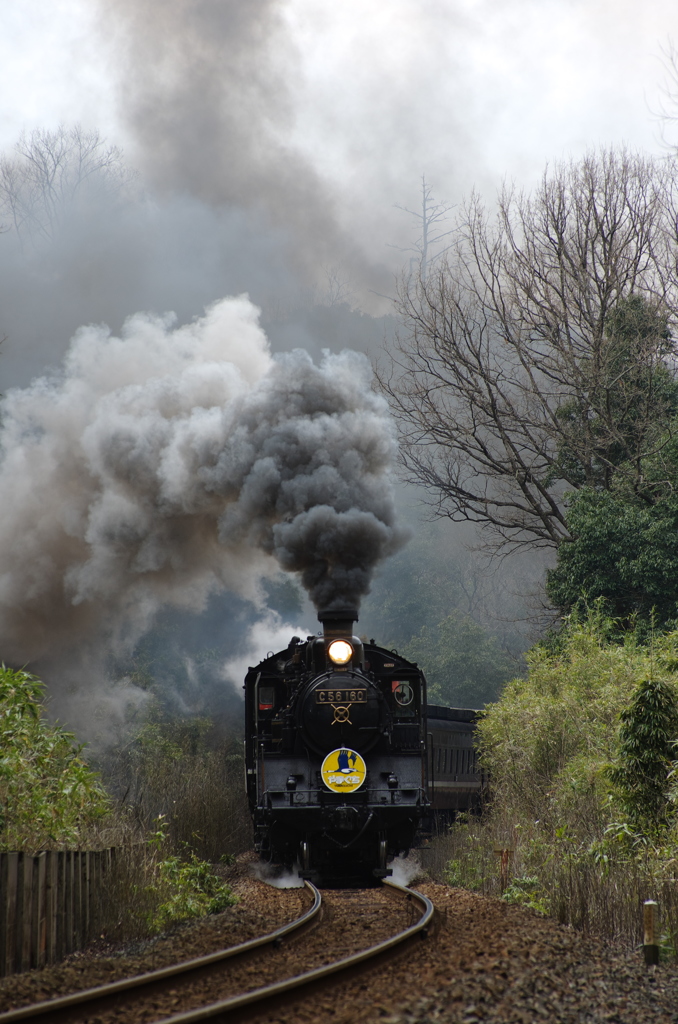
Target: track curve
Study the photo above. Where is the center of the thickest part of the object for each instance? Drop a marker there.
(126, 993)
(94, 1000)
(346, 966)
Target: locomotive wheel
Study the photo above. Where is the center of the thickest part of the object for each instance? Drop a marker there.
(382, 859)
(383, 854)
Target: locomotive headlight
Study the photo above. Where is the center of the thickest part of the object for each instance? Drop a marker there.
(340, 651)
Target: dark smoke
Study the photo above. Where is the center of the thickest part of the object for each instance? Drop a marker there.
(168, 464)
(207, 95)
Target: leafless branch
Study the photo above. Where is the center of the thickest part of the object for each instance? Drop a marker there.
(54, 171)
(426, 247)
(512, 381)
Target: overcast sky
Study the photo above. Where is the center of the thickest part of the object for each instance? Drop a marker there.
(467, 90)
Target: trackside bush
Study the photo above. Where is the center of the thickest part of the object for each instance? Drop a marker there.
(181, 888)
(187, 889)
(547, 741)
(49, 796)
(583, 764)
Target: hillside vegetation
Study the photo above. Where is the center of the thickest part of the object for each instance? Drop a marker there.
(50, 798)
(584, 784)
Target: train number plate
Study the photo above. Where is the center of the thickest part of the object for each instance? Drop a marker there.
(341, 696)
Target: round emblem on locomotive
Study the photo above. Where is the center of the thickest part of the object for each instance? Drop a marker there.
(343, 770)
(342, 708)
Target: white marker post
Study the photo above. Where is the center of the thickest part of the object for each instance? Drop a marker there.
(650, 932)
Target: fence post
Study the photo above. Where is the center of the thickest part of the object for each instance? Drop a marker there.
(50, 906)
(77, 901)
(27, 916)
(68, 894)
(650, 932)
(10, 923)
(107, 861)
(20, 906)
(505, 854)
(3, 913)
(86, 894)
(19, 914)
(61, 906)
(34, 924)
(40, 915)
(94, 884)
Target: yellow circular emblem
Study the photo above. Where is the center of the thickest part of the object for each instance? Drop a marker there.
(343, 770)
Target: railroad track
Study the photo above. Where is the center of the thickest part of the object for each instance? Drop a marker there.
(129, 991)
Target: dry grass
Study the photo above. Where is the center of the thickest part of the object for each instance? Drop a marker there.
(596, 892)
(206, 808)
(195, 797)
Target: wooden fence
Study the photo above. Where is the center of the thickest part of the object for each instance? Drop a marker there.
(50, 905)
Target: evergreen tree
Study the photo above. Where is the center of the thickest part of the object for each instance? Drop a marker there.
(648, 731)
(625, 554)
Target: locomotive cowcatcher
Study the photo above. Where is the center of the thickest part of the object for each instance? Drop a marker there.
(338, 754)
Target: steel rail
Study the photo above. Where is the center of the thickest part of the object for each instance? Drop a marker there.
(219, 1010)
(93, 999)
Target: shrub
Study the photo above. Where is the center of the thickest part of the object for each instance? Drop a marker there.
(181, 888)
(187, 889)
(547, 741)
(527, 891)
(580, 756)
(48, 794)
(646, 750)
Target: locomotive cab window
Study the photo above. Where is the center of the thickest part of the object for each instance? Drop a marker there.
(266, 698)
(404, 699)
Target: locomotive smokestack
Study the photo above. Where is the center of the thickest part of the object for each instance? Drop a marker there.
(338, 622)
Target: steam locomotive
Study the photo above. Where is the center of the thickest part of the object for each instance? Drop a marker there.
(344, 758)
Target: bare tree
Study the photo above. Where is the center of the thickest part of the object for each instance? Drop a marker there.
(431, 216)
(51, 172)
(339, 289)
(535, 358)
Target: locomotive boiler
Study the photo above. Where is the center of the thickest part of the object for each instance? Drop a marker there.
(343, 759)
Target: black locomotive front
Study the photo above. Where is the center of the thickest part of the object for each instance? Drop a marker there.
(336, 753)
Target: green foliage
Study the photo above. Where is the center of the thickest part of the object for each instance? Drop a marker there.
(48, 794)
(464, 869)
(625, 553)
(182, 888)
(647, 737)
(623, 519)
(527, 891)
(548, 738)
(461, 874)
(187, 889)
(583, 764)
(463, 664)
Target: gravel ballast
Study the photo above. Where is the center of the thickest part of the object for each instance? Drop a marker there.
(485, 961)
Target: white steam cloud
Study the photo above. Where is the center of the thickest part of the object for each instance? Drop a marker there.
(270, 633)
(172, 462)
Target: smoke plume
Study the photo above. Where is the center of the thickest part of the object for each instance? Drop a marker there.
(172, 462)
(207, 93)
